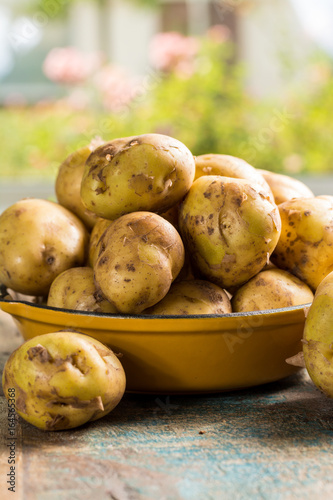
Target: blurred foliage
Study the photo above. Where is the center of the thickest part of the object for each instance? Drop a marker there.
(206, 108)
(59, 7)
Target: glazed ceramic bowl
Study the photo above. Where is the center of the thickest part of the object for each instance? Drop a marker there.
(181, 354)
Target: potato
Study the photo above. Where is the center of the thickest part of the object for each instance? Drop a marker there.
(192, 297)
(150, 172)
(229, 166)
(318, 337)
(75, 289)
(39, 239)
(140, 254)
(230, 229)
(305, 246)
(62, 380)
(285, 188)
(271, 289)
(68, 183)
(327, 197)
(95, 236)
(172, 215)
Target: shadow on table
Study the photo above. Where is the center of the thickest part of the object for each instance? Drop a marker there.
(290, 409)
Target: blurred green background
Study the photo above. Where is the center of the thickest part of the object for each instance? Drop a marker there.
(249, 78)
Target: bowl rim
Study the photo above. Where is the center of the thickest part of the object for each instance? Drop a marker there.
(92, 314)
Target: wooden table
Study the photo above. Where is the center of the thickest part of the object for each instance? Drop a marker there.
(270, 442)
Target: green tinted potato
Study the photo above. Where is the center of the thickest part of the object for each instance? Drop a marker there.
(318, 337)
(271, 289)
(230, 228)
(140, 255)
(39, 240)
(63, 380)
(75, 289)
(150, 172)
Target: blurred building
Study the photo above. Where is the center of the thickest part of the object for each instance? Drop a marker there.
(269, 38)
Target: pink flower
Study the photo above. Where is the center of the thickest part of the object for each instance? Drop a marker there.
(173, 52)
(219, 33)
(68, 65)
(118, 89)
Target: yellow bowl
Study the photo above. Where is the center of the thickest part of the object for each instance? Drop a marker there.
(182, 354)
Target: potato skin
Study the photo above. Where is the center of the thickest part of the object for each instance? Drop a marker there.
(140, 254)
(271, 289)
(63, 380)
(39, 239)
(95, 236)
(318, 337)
(285, 188)
(327, 197)
(229, 166)
(68, 185)
(192, 297)
(75, 289)
(230, 228)
(150, 172)
(306, 241)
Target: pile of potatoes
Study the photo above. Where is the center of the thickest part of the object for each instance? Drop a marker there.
(142, 227)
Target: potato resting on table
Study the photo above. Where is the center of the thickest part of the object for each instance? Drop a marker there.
(318, 337)
(63, 379)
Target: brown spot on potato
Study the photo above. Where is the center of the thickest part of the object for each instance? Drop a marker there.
(103, 261)
(20, 402)
(210, 230)
(130, 267)
(237, 201)
(39, 352)
(57, 422)
(207, 194)
(19, 211)
(140, 183)
(50, 260)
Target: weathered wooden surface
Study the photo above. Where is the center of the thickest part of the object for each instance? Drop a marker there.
(271, 442)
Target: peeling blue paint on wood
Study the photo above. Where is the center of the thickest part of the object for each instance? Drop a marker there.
(271, 442)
